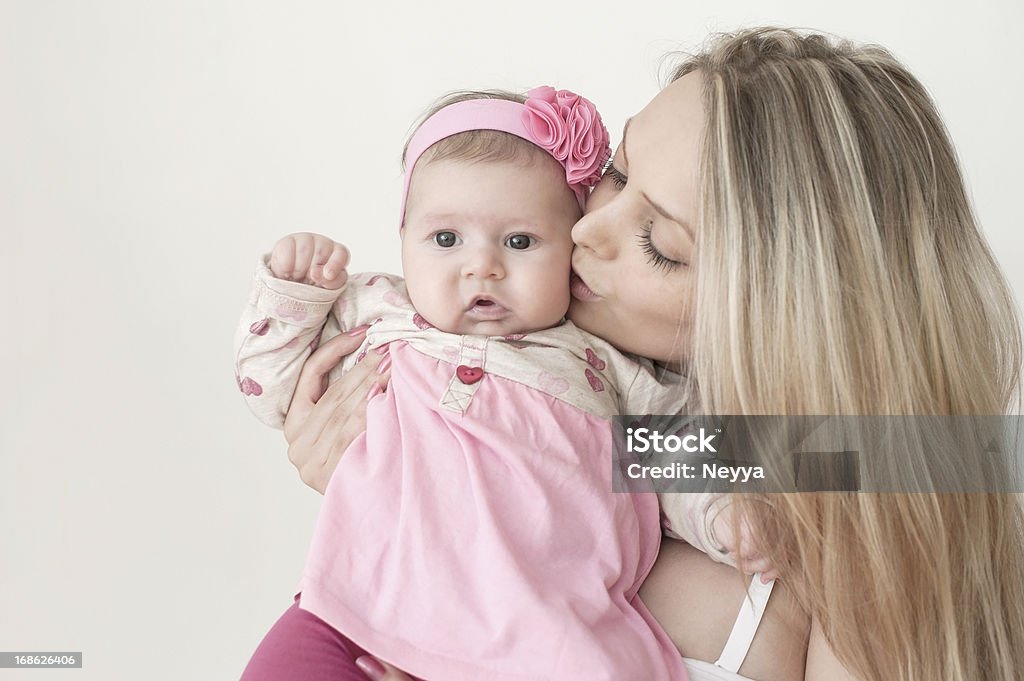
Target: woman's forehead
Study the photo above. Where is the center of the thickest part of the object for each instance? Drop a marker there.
(675, 112)
(661, 148)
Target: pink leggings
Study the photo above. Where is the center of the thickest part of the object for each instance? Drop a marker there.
(303, 647)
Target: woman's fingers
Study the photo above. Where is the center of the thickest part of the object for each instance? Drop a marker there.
(348, 395)
(314, 472)
(345, 401)
(333, 420)
(312, 379)
(376, 670)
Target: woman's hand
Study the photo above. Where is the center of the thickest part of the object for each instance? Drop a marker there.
(322, 422)
(376, 670)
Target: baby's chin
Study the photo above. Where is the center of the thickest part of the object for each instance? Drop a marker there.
(504, 327)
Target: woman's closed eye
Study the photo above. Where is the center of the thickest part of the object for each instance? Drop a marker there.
(617, 177)
(655, 257)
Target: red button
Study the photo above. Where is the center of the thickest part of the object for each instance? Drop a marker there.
(469, 375)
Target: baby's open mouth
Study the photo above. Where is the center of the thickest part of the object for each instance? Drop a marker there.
(487, 308)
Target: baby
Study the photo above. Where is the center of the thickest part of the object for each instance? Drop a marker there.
(471, 532)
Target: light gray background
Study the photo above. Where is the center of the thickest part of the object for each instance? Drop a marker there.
(150, 150)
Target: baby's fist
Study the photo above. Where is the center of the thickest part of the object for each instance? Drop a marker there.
(310, 259)
(742, 549)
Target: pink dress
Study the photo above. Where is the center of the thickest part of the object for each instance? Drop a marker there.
(471, 533)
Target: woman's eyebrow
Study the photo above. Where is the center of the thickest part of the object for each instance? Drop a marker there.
(668, 216)
(657, 207)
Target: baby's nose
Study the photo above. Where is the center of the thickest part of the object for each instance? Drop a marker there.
(484, 263)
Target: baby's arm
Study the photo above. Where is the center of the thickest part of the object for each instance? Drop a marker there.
(289, 308)
(690, 516)
(702, 519)
(706, 521)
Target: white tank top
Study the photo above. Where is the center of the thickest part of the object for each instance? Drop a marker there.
(742, 635)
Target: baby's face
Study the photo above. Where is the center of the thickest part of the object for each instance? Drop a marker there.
(486, 246)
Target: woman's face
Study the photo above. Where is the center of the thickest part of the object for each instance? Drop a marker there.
(633, 280)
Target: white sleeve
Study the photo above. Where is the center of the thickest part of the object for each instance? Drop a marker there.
(283, 322)
(688, 516)
(684, 515)
(647, 394)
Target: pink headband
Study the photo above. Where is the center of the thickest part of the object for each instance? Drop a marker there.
(560, 122)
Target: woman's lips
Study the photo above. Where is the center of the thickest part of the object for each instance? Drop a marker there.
(580, 290)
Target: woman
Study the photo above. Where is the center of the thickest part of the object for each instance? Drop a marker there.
(786, 222)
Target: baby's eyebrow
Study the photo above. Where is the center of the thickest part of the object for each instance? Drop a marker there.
(441, 217)
(487, 221)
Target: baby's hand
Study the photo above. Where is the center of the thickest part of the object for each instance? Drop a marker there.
(743, 550)
(311, 259)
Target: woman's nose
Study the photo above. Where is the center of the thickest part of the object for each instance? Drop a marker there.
(596, 232)
(483, 263)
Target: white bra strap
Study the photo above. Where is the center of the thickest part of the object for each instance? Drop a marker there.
(747, 621)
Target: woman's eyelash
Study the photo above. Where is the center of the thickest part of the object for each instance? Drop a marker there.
(616, 176)
(654, 256)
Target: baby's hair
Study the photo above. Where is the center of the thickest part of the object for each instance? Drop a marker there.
(476, 145)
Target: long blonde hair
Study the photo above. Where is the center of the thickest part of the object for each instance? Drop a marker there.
(840, 270)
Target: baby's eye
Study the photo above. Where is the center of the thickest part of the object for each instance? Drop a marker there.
(446, 239)
(520, 242)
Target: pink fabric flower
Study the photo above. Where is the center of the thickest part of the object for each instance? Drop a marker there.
(569, 127)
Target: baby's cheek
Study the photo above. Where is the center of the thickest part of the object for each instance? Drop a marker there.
(553, 300)
(440, 315)
(428, 310)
